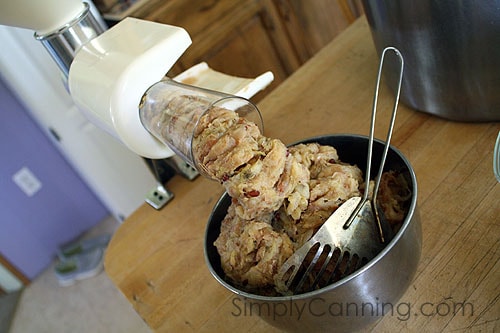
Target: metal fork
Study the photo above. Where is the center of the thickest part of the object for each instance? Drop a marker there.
(331, 248)
(350, 237)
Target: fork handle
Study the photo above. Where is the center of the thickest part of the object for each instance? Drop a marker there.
(386, 147)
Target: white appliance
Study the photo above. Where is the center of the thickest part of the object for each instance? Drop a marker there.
(107, 72)
(119, 177)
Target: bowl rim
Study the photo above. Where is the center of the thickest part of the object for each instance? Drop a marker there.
(371, 263)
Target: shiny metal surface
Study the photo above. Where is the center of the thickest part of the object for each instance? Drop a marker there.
(452, 54)
(63, 44)
(351, 303)
(358, 243)
(350, 229)
(397, 92)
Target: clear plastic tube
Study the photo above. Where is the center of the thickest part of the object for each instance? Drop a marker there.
(171, 112)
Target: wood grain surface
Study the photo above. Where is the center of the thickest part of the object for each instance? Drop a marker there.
(156, 257)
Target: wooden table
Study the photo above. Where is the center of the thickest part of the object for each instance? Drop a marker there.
(156, 257)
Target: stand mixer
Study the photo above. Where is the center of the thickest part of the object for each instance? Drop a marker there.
(108, 71)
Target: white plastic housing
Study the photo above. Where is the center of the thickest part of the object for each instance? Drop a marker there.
(110, 74)
(41, 16)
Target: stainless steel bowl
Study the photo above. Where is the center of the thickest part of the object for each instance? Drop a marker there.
(451, 50)
(359, 299)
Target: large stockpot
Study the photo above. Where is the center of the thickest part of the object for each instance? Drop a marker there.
(355, 301)
(451, 50)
